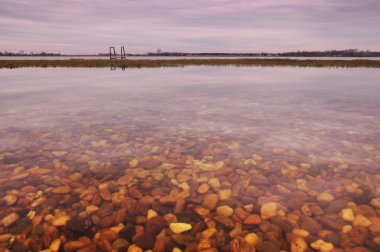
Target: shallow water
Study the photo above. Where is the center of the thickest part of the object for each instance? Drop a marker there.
(306, 139)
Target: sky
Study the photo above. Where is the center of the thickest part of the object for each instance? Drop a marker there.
(91, 26)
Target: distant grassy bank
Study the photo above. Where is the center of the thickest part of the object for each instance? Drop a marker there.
(188, 62)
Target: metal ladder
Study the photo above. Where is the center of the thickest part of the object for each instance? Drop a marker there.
(113, 55)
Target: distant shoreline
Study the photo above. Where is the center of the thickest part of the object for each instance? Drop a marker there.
(205, 55)
(149, 63)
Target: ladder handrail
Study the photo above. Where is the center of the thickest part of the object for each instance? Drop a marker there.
(113, 55)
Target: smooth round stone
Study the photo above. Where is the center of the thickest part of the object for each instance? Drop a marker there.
(322, 246)
(61, 220)
(203, 188)
(251, 239)
(346, 229)
(133, 163)
(155, 224)
(325, 197)
(124, 180)
(300, 232)
(210, 201)
(202, 211)
(348, 214)
(208, 233)
(170, 218)
(55, 245)
(184, 186)
(91, 209)
(61, 190)
(361, 221)
(268, 210)
(214, 183)
(250, 162)
(376, 202)
(225, 194)
(252, 219)
(151, 214)
(73, 245)
(375, 227)
(179, 227)
(145, 241)
(298, 245)
(10, 199)
(305, 165)
(225, 211)
(120, 245)
(248, 208)
(267, 246)
(10, 219)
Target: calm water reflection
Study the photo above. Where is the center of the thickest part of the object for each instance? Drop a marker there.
(278, 107)
(295, 132)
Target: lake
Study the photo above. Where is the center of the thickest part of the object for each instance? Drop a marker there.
(179, 57)
(208, 158)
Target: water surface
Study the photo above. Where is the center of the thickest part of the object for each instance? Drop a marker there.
(268, 134)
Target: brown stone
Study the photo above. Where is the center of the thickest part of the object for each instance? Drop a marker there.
(168, 201)
(150, 163)
(108, 235)
(241, 213)
(105, 209)
(29, 189)
(155, 224)
(119, 216)
(375, 227)
(311, 225)
(160, 245)
(358, 235)
(73, 245)
(210, 201)
(104, 245)
(145, 240)
(105, 222)
(61, 190)
(267, 246)
(295, 203)
(105, 194)
(203, 188)
(336, 206)
(134, 193)
(125, 180)
(224, 221)
(120, 245)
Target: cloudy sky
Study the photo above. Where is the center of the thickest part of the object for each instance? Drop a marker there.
(91, 26)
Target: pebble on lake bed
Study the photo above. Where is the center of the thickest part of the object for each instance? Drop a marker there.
(362, 221)
(179, 228)
(225, 211)
(268, 210)
(10, 219)
(125, 185)
(298, 245)
(325, 197)
(322, 246)
(224, 194)
(348, 214)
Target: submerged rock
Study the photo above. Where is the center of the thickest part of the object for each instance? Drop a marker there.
(179, 228)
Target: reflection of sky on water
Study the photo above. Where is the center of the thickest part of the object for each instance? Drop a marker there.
(271, 107)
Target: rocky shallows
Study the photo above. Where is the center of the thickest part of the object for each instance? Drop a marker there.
(177, 196)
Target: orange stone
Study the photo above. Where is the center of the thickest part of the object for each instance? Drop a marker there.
(252, 219)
